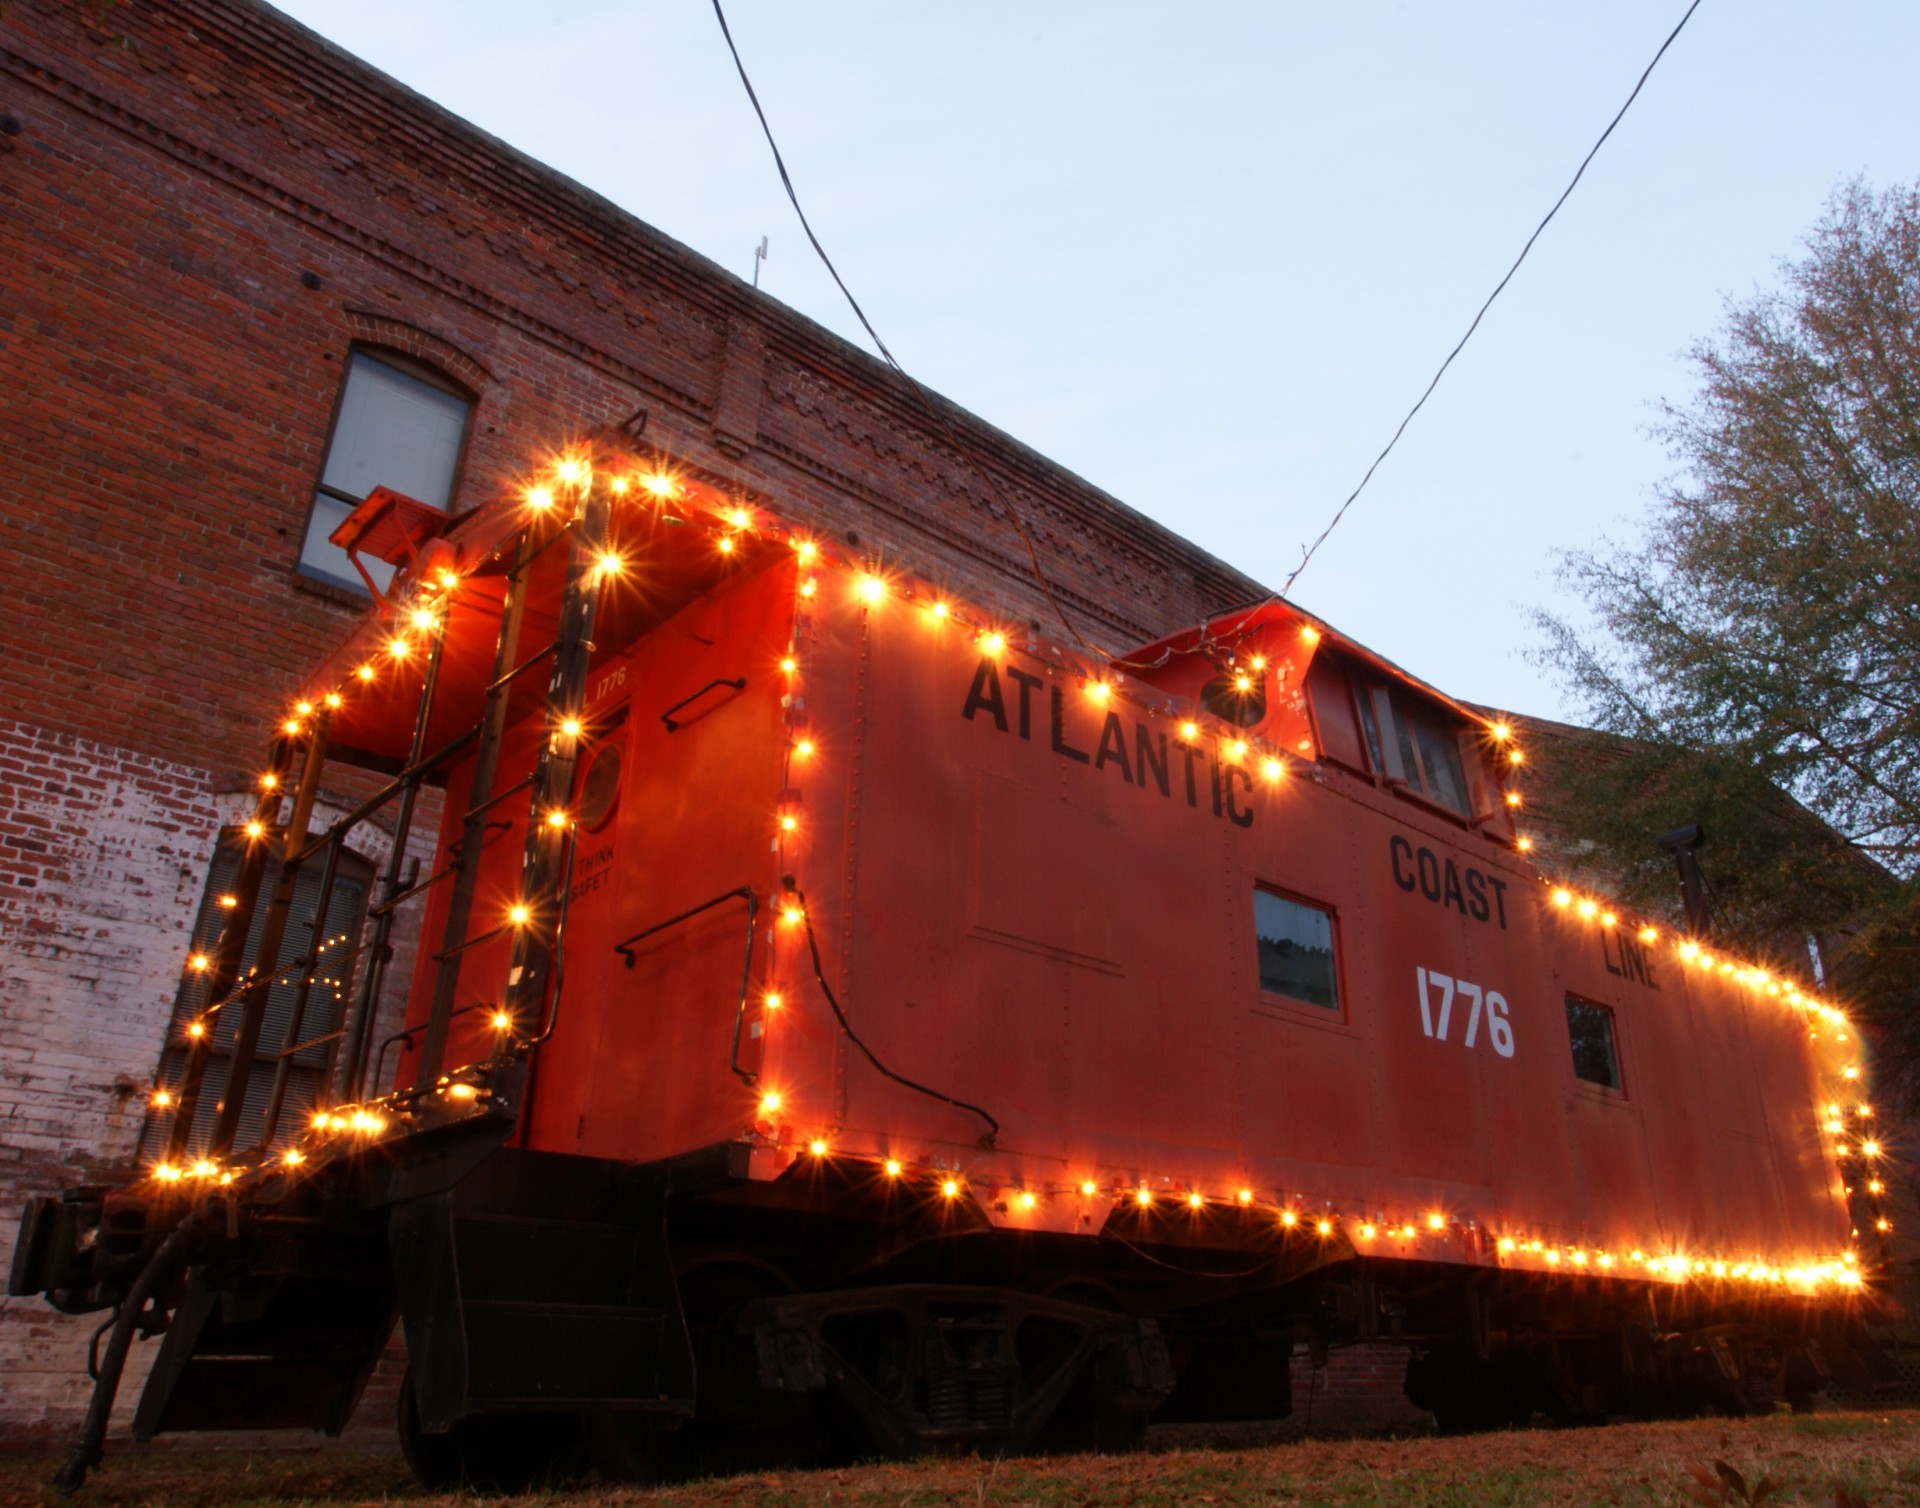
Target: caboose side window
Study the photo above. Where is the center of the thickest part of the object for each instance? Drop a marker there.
(398, 426)
(1419, 750)
(1294, 941)
(1590, 1030)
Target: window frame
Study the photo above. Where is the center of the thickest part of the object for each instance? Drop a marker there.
(1281, 1007)
(1616, 1038)
(408, 366)
(190, 1001)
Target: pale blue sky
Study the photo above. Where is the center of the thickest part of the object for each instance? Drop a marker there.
(1206, 255)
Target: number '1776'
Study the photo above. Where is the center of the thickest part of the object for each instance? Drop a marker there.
(1444, 1001)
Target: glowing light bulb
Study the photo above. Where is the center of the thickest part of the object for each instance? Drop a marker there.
(1507, 1244)
(804, 748)
(1026, 1199)
(304, 709)
(570, 471)
(1515, 756)
(1243, 683)
(1849, 1072)
(1196, 1200)
(161, 1099)
(770, 1102)
(1587, 908)
(269, 781)
(570, 727)
(792, 915)
(291, 727)
(1368, 1232)
(658, 484)
(892, 1167)
(1189, 731)
(789, 823)
(1289, 1219)
(519, 915)
(740, 518)
(993, 643)
(539, 499)
(1524, 844)
(293, 1157)
(228, 902)
(462, 1092)
(332, 699)
(1563, 898)
(1089, 1188)
(203, 1169)
(1649, 934)
(1259, 663)
(808, 588)
(1436, 1221)
(1870, 1148)
(772, 1000)
(1603, 1260)
(197, 1030)
(1875, 1186)
(1324, 1227)
(818, 1146)
(166, 1172)
(1143, 1196)
(1513, 798)
(1500, 732)
(1099, 690)
(807, 550)
(365, 672)
(1245, 1196)
(422, 619)
(198, 962)
(611, 564)
(1310, 634)
(789, 665)
(399, 648)
(1607, 919)
(1272, 769)
(726, 545)
(1553, 1259)
(556, 818)
(939, 609)
(872, 588)
(502, 1021)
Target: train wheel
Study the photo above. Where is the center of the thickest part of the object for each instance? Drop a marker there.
(1096, 1416)
(736, 1426)
(507, 1453)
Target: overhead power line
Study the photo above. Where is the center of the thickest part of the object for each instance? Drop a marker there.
(926, 402)
(1341, 512)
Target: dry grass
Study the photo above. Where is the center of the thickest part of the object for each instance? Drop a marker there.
(1872, 1457)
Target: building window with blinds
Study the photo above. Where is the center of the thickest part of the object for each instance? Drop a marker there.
(400, 426)
(320, 1020)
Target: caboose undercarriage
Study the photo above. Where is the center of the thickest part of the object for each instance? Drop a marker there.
(678, 1318)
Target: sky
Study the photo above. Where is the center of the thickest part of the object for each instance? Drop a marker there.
(1206, 256)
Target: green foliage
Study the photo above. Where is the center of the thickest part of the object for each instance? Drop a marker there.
(1764, 637)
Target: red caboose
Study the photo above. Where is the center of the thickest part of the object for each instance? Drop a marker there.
(848, 1020)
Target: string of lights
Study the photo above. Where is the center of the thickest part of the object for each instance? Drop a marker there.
(946, 1174)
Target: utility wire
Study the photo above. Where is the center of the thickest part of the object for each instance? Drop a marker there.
(1498, 289)
(926, 402)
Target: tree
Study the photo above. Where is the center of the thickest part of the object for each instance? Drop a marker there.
(1755, 659)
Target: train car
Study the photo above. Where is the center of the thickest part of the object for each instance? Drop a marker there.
(845, 1021)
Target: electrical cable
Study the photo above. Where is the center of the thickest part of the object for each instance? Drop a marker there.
(1498, 289)
(820, 978)
(926, 402)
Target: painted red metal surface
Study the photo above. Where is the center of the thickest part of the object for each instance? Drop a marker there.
(1036, 895)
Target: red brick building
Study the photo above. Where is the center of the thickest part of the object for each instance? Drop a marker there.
(244, 278)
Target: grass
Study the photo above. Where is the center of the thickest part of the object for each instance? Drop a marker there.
(1873, 1456)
